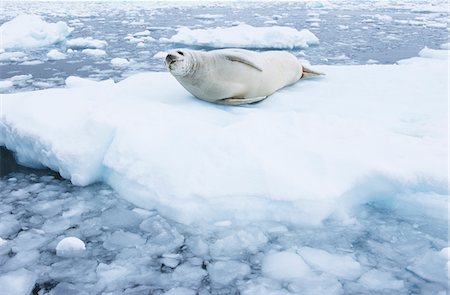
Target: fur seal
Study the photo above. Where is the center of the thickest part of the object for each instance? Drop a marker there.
(235, 76)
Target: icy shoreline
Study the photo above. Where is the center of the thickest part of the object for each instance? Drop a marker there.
(297, 157)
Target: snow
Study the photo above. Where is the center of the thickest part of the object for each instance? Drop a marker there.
(94, 52)
(245, 36)
(284, 170)
(70, 247)
(54, 54)
(284, 266)
(86, 43)
(119, 62)
(180, 291)
(18, 282)
(28, 31)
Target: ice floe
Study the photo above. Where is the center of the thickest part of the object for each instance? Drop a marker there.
(244, 35)
(55, 54)
(303, 153)
(27, 31)
(83, 43)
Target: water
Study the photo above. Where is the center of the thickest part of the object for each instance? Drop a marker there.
(130, 250)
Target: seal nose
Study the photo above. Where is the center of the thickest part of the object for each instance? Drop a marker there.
(170, 58)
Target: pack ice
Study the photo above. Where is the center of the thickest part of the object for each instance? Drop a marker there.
(309, 152)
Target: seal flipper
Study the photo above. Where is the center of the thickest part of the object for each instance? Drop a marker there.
(306, 72)
(240, 101)
(239, 57)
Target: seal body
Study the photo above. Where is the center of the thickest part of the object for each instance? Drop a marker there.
(234, 76)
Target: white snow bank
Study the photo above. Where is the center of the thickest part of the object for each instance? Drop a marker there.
(245, 36)
(27, 31)
(89, 42)
(360, 133)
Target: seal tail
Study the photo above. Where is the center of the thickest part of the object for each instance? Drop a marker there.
(306, 72)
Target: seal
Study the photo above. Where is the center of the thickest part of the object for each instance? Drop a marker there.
(235, 76)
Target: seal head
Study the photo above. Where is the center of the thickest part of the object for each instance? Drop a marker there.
(180, 62)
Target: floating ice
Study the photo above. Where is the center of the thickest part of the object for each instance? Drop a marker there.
(305, 154)
(94, 52)
(27, 31)
(19, 282)
(70, 247)
(5, 84)
(224, 272)
(12, 56)
(284, 266)
(86, 43)
(54, 54)
(119, 62)
(245, 36)
(342, 266)
(379, 280)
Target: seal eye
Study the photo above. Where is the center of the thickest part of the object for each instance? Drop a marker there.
(180, 53)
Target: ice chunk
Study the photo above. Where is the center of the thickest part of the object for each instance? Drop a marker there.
(188, 275)
(342, 266)
(160, 55)
(379, 280)
(245, 36)
(26, 31)
(180, 291)
(119, 62)
(29, 240)
(432, 266)
(54, 54)
(86, 43)
(434, 53)
(171, 260)
(238, 242)
(70, 247)
(21, 259)
(121, 239)
(284, 266)
(224, 272)
(5, 84)
(163, 237)
(19, 282)
(120, 218)
(12, 56)
(94, 52)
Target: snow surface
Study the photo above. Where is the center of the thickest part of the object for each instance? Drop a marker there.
(303, 153)
(27, 31)
(245, 36)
